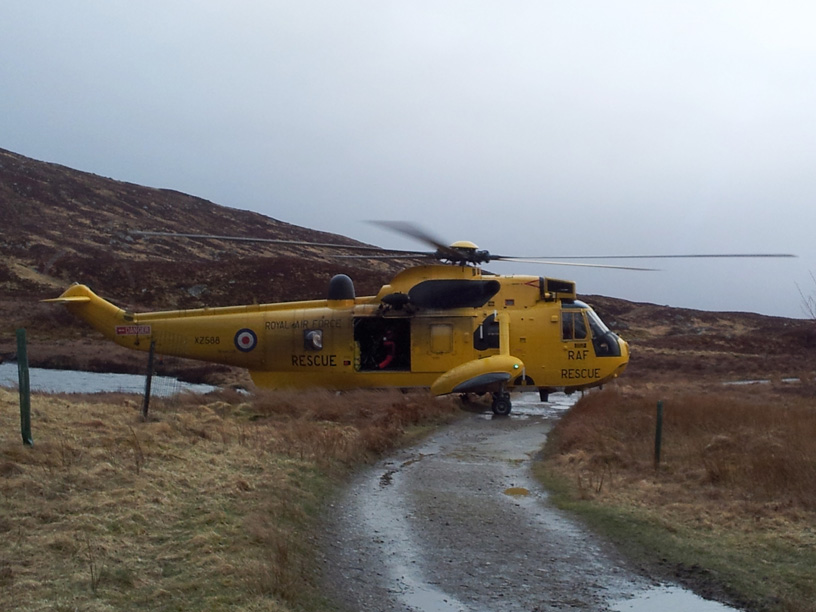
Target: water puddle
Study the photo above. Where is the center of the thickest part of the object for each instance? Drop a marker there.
(517, 492)
(668, 599)
(529, 406)
(418, 595)
(72, 381)
(761, 381)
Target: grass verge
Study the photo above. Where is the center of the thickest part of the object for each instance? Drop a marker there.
(210, 505)
(731, 511)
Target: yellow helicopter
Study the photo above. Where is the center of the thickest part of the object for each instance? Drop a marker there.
(448, 326)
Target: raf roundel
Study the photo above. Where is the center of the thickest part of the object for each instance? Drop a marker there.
(245, 340)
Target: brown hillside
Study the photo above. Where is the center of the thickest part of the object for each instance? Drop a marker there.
(719, 346)
(61, 226)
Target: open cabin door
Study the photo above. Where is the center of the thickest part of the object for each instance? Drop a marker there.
(382, 344)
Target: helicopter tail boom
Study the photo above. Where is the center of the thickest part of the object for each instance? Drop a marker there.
(227, 335)
(100, 314)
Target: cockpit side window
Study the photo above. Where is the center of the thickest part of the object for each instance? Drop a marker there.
(486, 335)
(573, 325)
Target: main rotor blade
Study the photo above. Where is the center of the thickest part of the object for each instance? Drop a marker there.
(418, 233)
(414, 231)
(326, 245)
(446, 252)
(394, 255)
(694, 255)
(570, 263)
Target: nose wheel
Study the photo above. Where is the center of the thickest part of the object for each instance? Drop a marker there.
(501, 403)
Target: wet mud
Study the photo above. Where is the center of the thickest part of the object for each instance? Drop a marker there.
(458, 523)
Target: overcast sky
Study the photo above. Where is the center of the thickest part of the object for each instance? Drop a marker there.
(528, 127)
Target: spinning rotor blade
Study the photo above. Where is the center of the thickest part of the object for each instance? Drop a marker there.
(443, 251)
(414, 231)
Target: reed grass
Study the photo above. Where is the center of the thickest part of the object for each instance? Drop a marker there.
(211, 504)
(735, 492)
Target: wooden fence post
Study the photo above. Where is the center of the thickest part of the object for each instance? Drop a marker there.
(25, 388)
(658, 434)
(148, 379)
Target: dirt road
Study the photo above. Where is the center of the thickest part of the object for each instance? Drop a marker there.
(459, 524)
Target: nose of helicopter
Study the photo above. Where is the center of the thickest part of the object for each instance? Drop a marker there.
(624, 356)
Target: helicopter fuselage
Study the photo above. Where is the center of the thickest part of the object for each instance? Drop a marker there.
(453, 329)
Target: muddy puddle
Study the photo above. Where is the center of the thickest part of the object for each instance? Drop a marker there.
(458, 523)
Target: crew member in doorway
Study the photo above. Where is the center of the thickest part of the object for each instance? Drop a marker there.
(390, 348)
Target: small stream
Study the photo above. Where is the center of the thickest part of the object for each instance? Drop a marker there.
(74, 381)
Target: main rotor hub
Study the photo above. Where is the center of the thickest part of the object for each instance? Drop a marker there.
(464, 244)
(462, 253)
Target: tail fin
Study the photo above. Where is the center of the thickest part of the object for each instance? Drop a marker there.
(100, 314)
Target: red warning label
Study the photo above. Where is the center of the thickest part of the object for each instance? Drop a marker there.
(133, 330)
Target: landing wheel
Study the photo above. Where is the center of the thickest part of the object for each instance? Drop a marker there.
(501, 404)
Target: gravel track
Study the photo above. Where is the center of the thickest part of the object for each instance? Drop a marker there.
(458, 523)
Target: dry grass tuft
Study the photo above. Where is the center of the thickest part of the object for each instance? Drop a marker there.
(207, 505)
(754, 447)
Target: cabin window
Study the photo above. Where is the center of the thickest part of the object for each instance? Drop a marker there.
(486, 335)
(573, 325)
(313, 339)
